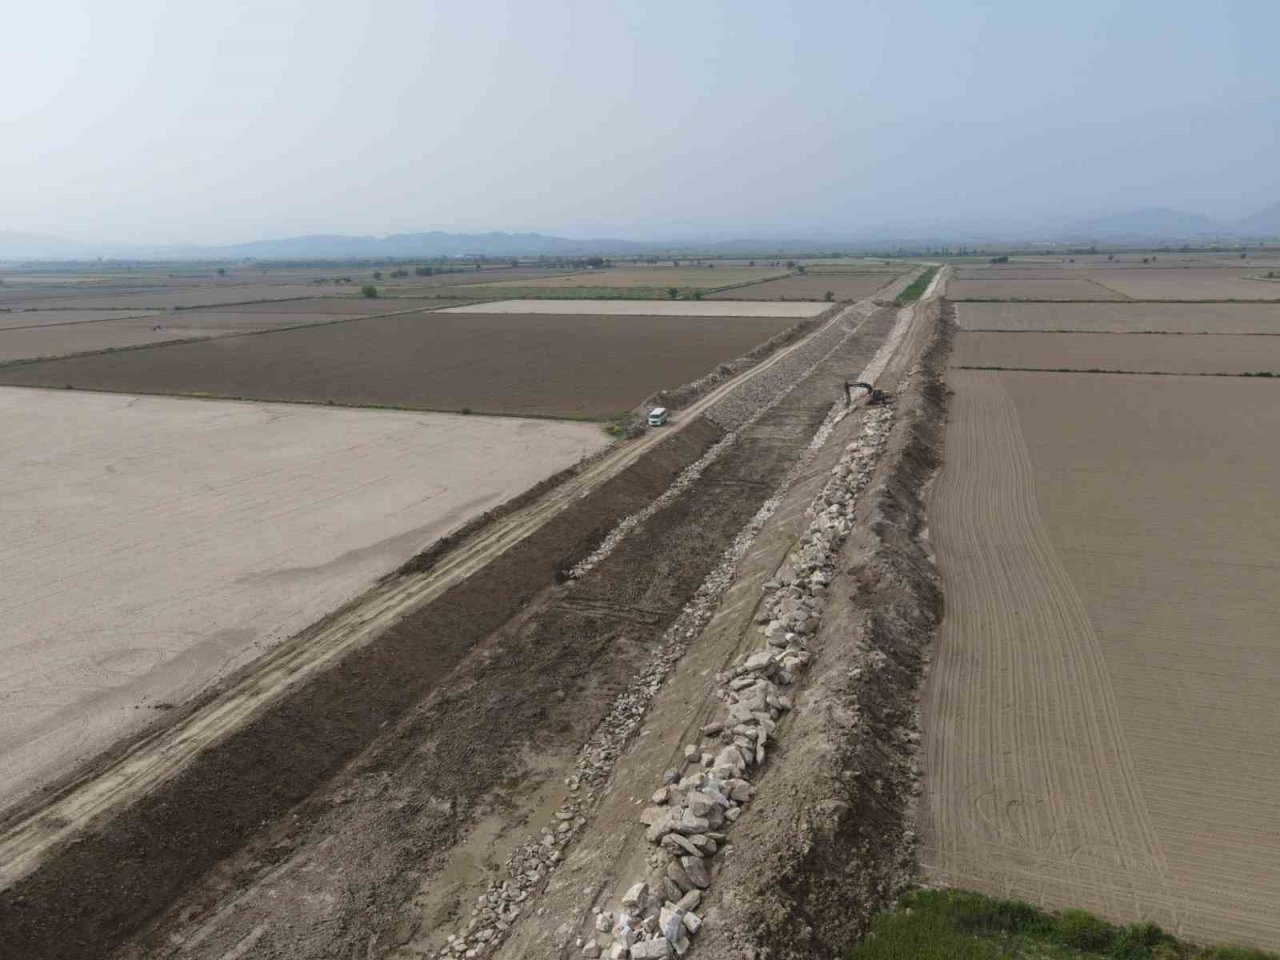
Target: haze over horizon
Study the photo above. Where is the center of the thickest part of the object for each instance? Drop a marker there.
(154, 122)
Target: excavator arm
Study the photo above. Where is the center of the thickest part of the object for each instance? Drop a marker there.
(876, 396)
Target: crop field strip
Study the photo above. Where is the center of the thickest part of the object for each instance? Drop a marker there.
(1115, 490)
(589, 367)
(1113, 282)
(1129, 352)
(846, 286)
(649, 308)
(226, 526)
(1172, 318)
(33, 343)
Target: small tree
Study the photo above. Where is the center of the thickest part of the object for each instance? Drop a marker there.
(370, 291)
(377, 274)
(673, 292)
(828, 296)
(222, 271)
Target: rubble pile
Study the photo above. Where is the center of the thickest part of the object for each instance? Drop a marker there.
(689, 815)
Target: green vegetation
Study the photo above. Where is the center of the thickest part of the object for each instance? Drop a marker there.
(915, 290)
(370, 291)
(959, 925)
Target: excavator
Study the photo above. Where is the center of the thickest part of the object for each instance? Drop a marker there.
(876, 396)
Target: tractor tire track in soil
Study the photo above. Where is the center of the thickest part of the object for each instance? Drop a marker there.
(1031, 789)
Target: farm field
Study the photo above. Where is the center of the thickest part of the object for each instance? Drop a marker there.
(1222, 318)
(1100, 717)
(175, 297)
(17, 319)
(1111, 281)
(149, 546)
(846, 286)
(1040, 287)
(650, 308)
(589, 366)
(1139, 352)
(704, 278)
(64, 339)
(1191, 283)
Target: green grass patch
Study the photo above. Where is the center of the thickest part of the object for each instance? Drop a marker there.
(915, 290)
(960, 925)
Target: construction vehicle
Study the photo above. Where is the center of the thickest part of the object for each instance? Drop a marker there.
(876, 396)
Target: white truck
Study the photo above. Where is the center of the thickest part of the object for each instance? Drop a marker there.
(657, 416)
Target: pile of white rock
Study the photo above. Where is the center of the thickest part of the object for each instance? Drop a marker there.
(690, 814)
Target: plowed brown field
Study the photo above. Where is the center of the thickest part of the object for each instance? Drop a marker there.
(575, 366)
(65, 339)
(1040, 287)
(845, 286)
(1135, 352)
(1122, 318)
(1100, 717)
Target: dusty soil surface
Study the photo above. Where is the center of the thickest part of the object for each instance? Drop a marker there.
(648, 308)
(1221, 318)
(21, 319)
(848, 286)
(171, 296)
(1136, 352)
(565, 366)
(341, 307)
(66, 339)
(1190, 283)
(1045, 286)
(683, 277)
(350, 876)
(159, 814)
(151, 546)
(1100, 716)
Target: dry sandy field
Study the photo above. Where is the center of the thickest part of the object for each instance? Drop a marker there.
(151, 545)
(1110, 281)
(1191, 283)
(847, 286)
(70, 338)
(1254, 318)
(18, 319)
(649, 308)
(705, 278)
(562, 366)
(186, 297)
(1135, 352)
(1100, 717)
(1039, 287)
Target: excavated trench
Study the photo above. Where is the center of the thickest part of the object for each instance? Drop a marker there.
(306, 832)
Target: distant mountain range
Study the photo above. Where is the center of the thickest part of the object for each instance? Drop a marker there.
(1146, 225)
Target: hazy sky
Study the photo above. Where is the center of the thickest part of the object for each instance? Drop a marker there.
(185, 121)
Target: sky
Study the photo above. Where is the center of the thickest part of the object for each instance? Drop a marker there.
(175, 121)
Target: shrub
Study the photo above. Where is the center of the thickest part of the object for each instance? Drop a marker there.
(1238, 953)
(1084, 931)
(370, 291)
(673, 292)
